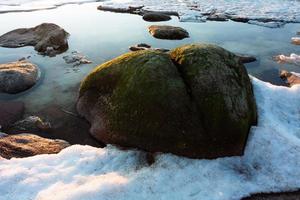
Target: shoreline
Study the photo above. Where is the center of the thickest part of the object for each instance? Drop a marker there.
(85, 69)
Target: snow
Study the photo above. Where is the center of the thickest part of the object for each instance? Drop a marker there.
(271, 163)
(193, 10)
(27, 5)
(291, 59)
(280, 11)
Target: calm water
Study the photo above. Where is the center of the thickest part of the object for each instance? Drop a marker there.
(102, 36)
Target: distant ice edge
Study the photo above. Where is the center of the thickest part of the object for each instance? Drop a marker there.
(270, 164)
(268, 13)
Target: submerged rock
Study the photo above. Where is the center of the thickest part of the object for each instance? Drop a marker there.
(217, 17)
(239, 19)
(129, 9)
(18, 76)
(30, 124)
(48, 39)
(140, 47)
(10, 112)
(25, 145)
(290, 78)
(196, 101)
(156, 17)
(168, 32)
(76, 59)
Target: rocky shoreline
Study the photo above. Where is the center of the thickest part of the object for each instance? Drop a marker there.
(74, 128)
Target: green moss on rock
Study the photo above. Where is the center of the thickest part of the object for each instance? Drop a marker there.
(196, 101)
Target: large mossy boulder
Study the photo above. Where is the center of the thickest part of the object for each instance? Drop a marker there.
(196, 101)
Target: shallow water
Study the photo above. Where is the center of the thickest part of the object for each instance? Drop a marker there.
(103, 35)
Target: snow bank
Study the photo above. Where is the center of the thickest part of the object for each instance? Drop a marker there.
(291, 59)
(193, 10)
(271, 163)
(27, 5)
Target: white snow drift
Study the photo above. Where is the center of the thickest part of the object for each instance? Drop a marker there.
(271, 163)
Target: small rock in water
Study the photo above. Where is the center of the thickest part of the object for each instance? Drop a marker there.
(156, 17)
(18, 76)
(25, 145)
(239, 19)
(76, 58)
(217, 17)
(142, 46)
(30, 124)
(246, 58)
(48, 39)
(168, 32)
(290, 78)
(296, 40)
(129, 9)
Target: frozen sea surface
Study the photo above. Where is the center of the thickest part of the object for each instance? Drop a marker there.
(271, 163)
(189, 10)
(193, 10)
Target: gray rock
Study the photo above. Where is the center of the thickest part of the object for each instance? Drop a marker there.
(156, 17)
(31, 124)
(217, 17)
(141, 47)
(76, 58)
(168, 32)
(48, 39)
(246, 58)
(18, 76)
(25, 145)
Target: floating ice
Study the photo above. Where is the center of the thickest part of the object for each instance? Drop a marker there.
(292, 59)
(270, 164)
(264, 12)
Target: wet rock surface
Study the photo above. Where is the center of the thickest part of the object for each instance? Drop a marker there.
(142, 46)
(76, 58)
(18, 76)
(48, 39)
(168, 32)
(30, 124)
(290, 78)
(25, 145)
(246, 58)
(156, 17)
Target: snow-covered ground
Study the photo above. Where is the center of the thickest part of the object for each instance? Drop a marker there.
(27, 5)
(189, 10)
(271, 163)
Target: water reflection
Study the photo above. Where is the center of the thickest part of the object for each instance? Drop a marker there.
(103, 35)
